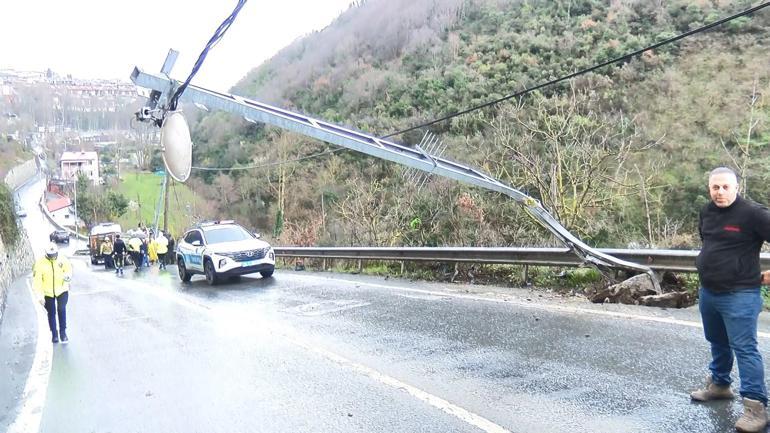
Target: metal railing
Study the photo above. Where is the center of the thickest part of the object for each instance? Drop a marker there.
(659, 260)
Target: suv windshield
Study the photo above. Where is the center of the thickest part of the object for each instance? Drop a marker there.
(226, 234)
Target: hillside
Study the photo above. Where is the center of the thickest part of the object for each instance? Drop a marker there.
(619, 155)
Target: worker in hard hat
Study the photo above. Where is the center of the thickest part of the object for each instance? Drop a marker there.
(51, 276)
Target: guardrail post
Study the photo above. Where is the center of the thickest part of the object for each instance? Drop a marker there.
(360, 266)
(525, 274)
(323, 264)
(403, 264)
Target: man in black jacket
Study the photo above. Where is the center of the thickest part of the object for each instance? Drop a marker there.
(119, 252)
(171, 255)
(733, 230)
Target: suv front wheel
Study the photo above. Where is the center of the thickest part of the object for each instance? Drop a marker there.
(211, 274)
(183, 274)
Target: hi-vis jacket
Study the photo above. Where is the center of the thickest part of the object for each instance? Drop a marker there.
(161, 245)
(134, 244)
(51, 277)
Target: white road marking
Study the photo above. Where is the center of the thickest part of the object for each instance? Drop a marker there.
(433, 400)
(36, 388)
(535, 305)
(423, 297)
(325, 307)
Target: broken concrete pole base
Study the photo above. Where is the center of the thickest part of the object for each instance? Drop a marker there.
(668, 300)
(625, 292)
(639, 290)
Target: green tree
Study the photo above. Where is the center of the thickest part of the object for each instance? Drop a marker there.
(9, 230)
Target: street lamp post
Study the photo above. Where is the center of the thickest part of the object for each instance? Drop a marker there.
(75, 176)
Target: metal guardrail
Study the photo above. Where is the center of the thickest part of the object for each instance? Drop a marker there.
(659, 260)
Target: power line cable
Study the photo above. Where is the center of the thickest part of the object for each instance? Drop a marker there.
(218, 34)
(271, 164)
(584, 71)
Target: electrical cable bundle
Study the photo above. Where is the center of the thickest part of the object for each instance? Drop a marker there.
(218, 34)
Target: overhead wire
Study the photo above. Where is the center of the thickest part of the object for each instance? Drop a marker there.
(270, 164)
(584, 71)
(218, 34)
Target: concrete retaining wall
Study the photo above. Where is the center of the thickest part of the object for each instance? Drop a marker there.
(20, 174)
(16, 260)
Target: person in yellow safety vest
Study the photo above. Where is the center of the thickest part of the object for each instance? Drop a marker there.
(105, 250)
(152, 251)
(161, 247)
(51, 277)
(106, 247)
(134, 246)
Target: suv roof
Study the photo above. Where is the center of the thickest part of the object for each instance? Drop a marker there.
(209, 224)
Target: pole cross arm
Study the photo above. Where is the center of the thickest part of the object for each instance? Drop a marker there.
(383, 149)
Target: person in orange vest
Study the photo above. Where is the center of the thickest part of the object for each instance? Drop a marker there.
(51, 277)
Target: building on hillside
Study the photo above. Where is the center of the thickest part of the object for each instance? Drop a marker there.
(86, 163)
(60, 208)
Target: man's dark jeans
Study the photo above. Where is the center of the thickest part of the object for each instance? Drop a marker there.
(54, 306)
(730, 325)
(137, 258)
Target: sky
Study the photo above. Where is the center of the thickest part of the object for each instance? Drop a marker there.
(107, 38)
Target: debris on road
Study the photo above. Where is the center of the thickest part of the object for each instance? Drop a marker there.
(638, 290)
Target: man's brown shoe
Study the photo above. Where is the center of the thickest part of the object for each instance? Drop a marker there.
(754, 418)
(712, 391)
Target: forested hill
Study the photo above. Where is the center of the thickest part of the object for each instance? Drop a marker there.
(618, 155)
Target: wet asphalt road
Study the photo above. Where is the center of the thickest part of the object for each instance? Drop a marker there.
(240, 358)
(325, 352)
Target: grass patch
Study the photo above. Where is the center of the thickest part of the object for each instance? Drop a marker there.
(765, 297)
(142, 190)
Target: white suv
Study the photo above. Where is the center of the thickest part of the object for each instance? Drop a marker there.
(222, 249)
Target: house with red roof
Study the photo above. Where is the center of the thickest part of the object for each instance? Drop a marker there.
(60, 208)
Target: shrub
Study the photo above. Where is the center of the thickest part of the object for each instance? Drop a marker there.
(9, 230)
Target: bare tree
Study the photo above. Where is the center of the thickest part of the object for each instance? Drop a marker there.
(145, 141)
(567, 155)
(285, 145)
(743, 152)
(370, 217)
